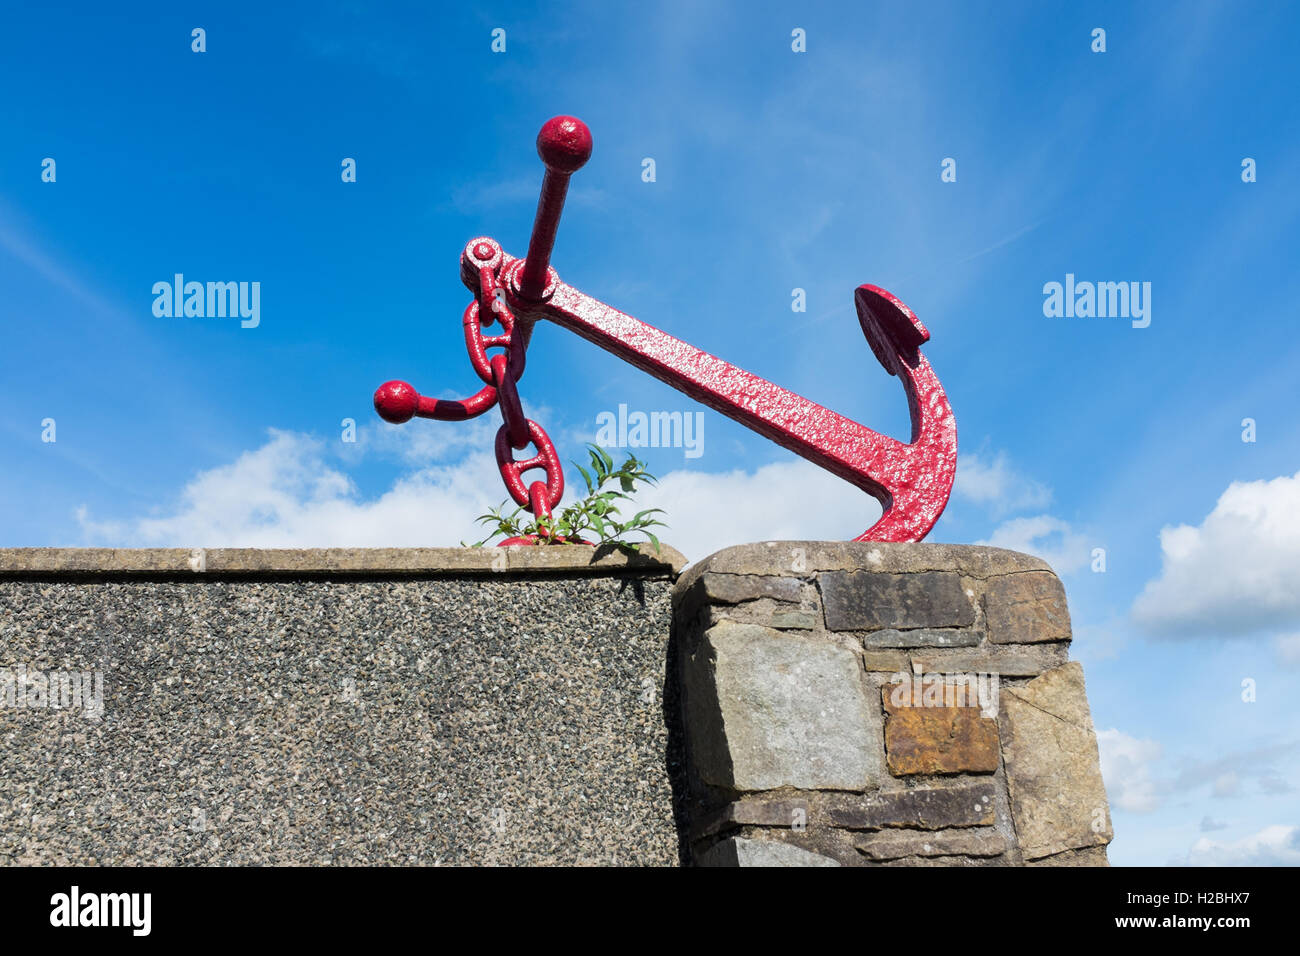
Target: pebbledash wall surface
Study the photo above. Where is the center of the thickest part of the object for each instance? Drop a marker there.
(780, 703)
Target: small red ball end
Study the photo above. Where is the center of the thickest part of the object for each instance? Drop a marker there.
(396, 402)
(564, 144)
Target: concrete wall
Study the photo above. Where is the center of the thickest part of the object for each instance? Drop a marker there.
(336, 707)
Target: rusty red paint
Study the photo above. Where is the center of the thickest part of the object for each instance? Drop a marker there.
(912, 480)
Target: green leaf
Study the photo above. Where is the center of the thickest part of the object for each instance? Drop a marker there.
(597, 514)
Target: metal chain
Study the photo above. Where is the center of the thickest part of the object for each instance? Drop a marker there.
(501, 374)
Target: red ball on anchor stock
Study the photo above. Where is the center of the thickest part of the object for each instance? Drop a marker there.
(396, 402)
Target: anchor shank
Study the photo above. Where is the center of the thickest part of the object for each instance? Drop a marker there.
(838, 444)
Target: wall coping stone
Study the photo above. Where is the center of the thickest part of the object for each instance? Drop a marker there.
(806, 558)
(344, 562)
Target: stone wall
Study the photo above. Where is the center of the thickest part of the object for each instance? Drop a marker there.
(543, 705)
(884, 704)
(336, 707)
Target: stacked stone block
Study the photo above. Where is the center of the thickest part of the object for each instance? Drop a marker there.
(884, 704)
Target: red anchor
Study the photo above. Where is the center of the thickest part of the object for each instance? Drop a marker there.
(912, 480)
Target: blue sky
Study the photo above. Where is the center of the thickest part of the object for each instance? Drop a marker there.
(775, 170)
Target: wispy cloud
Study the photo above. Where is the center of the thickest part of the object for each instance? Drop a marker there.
(992, 482)
(479, 197)
(1126, 768)
(1141, 778)
(26, 249)
(1050, 538)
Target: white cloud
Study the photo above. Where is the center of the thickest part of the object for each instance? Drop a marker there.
(994, 484)
(294, 491)
(421, 443)
(1238, 572)
(1276, 845)
(285, 494)
(997, 486)
(288, 494)
(1126, 769)
(781, 501)
(1050, 538)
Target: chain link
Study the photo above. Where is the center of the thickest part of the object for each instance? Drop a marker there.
(500, 374)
